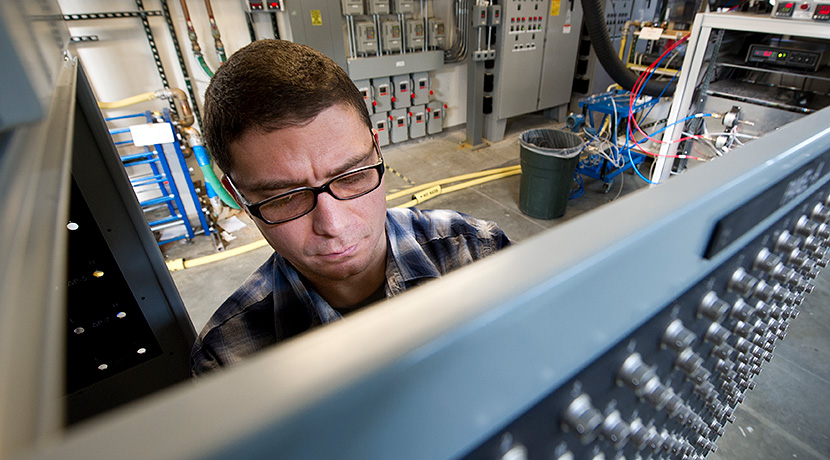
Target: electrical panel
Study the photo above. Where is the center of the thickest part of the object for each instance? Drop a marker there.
(414, 35)
(366, 38)
(399, 125)
(377, 6)
(381, 89)
(351, 7)
(365, 88)
(437, 33)
(403, 6)
(421, 91)
(435, 115)
(380, 122)
(417, 121)
(533, 43)
(402, 96)
(391, 37)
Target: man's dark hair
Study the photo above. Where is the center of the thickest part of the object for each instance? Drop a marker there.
(270, 85)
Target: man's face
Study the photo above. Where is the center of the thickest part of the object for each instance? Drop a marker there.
(338, 240)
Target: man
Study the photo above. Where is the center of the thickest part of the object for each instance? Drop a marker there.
(293, 136)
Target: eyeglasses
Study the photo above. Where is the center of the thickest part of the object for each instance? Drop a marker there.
(301, 201)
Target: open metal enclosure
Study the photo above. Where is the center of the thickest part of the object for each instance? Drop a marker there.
(89, 316)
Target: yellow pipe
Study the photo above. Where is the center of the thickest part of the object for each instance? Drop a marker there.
(437, 190)
(448, 180)
(181, 264)
(128, 101)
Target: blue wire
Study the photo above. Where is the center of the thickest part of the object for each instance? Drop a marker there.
(628, 125)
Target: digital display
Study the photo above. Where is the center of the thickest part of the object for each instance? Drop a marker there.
(786, 8)
(823, 10)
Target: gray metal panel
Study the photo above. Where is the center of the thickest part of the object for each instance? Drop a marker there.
(401, 91)
(380, 122)
(417, 121)
(382, 94)
(399, 125)
(34, 182)
(435, 113)
(328, 37)
(32, 40)
(519, 58)
(106, 188)
(395, 64)
(561, 47)
(365, 88)
(420, 87)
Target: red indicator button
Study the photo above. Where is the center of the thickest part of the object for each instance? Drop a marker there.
(805, 6)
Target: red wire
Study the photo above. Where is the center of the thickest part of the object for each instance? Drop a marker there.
(640, 82)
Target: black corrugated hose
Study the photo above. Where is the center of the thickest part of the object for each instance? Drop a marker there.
(593, 11)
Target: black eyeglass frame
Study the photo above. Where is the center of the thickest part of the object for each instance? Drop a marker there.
(254, 208)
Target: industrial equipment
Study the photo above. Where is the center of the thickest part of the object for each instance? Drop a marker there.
(773, 70)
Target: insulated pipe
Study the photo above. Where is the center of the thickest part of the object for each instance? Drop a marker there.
(183, 110)
(214, 30)
(194, 40)
(203, 158)
(129, 101)
(594, 18)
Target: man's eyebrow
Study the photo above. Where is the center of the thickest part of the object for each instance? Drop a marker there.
(287, 185)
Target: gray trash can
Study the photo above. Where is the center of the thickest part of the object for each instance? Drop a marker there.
(549, 158)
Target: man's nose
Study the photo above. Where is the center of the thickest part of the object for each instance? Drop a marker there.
(330, 216)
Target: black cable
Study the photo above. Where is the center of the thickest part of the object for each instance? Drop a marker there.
(594, 12)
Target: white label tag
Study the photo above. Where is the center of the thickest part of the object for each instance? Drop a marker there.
(566, 29)
(651, 33)
(400, 63)
(151, 134)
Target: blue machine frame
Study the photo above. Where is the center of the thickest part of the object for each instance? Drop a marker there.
(614, 107)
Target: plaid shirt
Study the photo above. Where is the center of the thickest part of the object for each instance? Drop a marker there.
(274, 304)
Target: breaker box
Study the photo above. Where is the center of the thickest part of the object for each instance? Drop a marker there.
(399, 131)
(402, 96)
(391, 37)
(380, 122)
(377, 6)
(403, 6)
(365, 88)
(437, 33)
(381, 89)
(435, 115)
(415, 35)
(351, 7)
(418, 121)
(420, 90)
(367, 41)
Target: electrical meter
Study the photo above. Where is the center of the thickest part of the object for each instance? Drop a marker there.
(809, 10)
(367, 41)
(414, 34)
(391, 37)
(437, 33)
(403, 6)
(377, 6)
(351, 7)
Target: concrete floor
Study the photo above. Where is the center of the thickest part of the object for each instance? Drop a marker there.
(784, 417)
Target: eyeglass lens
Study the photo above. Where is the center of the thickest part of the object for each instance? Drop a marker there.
(348, 186)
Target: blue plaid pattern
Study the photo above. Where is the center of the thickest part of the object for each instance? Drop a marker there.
(274, 304)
